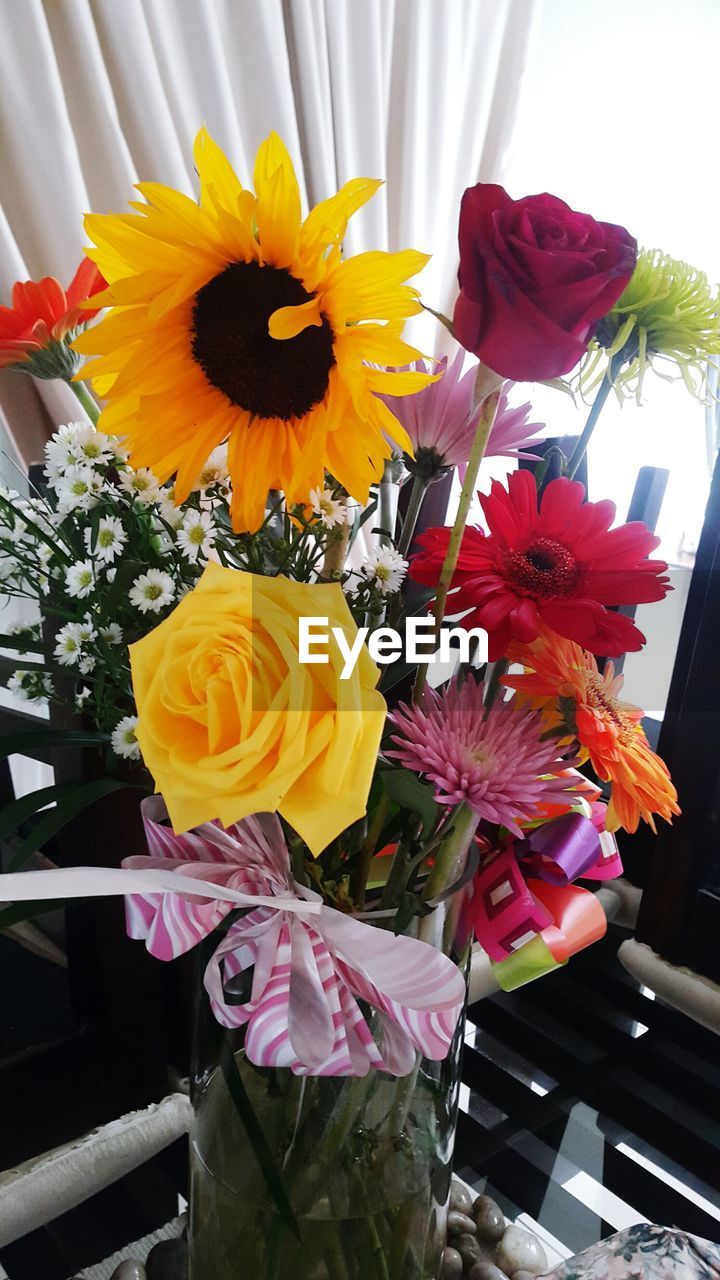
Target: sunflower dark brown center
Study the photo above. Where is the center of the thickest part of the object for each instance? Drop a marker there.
(544, 569)
(268, 377)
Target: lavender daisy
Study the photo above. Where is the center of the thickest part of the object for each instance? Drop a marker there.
(493, 758)
(441, 423)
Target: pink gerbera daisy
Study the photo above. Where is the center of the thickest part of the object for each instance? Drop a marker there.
(441, 423)
(556, 566)
(495, 758)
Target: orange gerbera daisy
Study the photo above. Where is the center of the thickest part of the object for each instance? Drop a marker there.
(36, 330)
(563, 680)
(232, 319)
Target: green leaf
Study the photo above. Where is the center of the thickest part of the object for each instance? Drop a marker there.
(23, 645)
(18, 664)
(19, 811)
(406, 789)
(85, 793)
(17, 743)
(258, 1141)
(408, 905)
(19, 911)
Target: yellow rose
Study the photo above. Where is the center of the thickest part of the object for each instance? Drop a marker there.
(232, 723)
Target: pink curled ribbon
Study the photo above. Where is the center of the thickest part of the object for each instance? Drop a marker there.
(308, 970)
(524, 890)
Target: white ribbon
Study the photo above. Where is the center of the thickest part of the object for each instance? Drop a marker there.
(102, 882)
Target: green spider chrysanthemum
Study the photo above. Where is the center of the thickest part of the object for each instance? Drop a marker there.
(668, 313)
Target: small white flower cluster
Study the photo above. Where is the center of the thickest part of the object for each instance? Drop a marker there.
(332, 511)
(30, 686)
(151, 592)
(123, 739)
(385, 569)
(71, 645)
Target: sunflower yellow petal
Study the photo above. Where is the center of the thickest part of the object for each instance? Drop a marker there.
(288, 322)
(278, 203)
(326, 224)
(370, 287)
(220, 187)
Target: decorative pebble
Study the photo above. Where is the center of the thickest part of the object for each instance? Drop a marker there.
(484, 1269)
(459, 1224)
(168, 1260)
(523, 1275)
(519, 1251)
(488, 1219)
(130, 1269)
(460, 1198)
(451, 1265)
(468, 1248)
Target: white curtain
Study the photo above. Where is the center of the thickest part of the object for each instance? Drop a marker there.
(97, 94)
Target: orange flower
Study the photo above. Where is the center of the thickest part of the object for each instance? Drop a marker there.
(33, 331)
(563, 680)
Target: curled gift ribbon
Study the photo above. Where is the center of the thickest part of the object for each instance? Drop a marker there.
(302, 1008)
(529, 928)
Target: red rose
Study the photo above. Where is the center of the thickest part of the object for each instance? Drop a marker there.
(535, 278)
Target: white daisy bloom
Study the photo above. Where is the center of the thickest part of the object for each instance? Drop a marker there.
(111, 574)
(44, 556)
(215, 470)
(68, 645)
(16, 685)
(141, 484)
(152, 591)
(16, 533)
(331, 510)
(110, 540)
(112, 633)
(81, 697)
(197, 535)
(85, 631)
(77, 443)
(123, 739)
(87, 664)
(8, 567)
(29, 686)
(80, 579)
(78, 489)
(386, 568)
(168, 512)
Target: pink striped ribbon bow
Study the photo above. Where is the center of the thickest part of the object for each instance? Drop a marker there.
(309, 971)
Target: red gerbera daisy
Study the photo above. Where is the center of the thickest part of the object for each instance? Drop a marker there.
(43, 316)
(559, 566)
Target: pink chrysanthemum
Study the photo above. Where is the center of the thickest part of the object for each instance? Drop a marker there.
(493, 758)
(441, 423)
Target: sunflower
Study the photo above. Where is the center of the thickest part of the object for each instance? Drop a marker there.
(562, 680)
(235, 320)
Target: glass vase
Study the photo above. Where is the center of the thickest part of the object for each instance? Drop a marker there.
(365, 1163)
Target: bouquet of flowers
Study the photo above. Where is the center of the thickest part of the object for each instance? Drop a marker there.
(327, 824)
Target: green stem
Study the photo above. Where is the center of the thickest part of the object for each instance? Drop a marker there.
(598, 403)
(359, 877)
(336, 551)
(482, 434)
(387, 505)
(451, 855)
(417, 493)
(396, 877)
(89, 405)
(494, 687)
